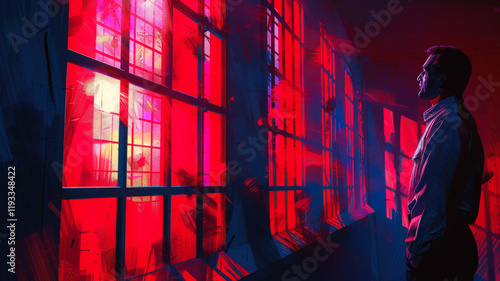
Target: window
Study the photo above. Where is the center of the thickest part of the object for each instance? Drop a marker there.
(348, 134)
(353, 148)
(144, 130)
(398, 162)
(285, 114)
(329, 134)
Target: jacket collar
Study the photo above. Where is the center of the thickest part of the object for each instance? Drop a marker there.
(441, 106)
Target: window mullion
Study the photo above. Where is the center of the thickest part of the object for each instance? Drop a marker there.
(122, 143)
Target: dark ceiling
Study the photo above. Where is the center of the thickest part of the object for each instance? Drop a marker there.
(473, 26)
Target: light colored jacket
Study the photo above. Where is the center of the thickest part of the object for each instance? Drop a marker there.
(445, 186)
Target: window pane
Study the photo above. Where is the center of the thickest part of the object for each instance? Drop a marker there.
(214, 72)
(186, 46)
(214, 222)
(192, 4)
(95, 29)
(277, 211)
(288, 12)
(144, 236)
(213, 11)
(183, 228)
(148, 30)
(91, 129)
(409, 139)
(214, 147)
(148, 131)
(88, 239)
(184, 144)
(278, 5)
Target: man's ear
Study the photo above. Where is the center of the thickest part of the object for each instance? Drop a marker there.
(440, 79)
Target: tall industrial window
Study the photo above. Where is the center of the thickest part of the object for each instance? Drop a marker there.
(329, 134)
(399, 151)
(144, 134)
(285, 113)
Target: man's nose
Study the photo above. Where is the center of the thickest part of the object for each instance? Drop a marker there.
(419, 77)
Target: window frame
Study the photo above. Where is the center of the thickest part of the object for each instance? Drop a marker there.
(121, 192)
(276, 25)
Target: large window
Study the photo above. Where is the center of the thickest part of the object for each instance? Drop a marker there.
(348, 134)
(285, 113)
(329, 133)
(144, 144)
(399, 151)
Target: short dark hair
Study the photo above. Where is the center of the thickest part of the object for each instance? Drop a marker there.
(455, 64)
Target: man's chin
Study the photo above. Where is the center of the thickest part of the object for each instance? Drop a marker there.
(426, 95)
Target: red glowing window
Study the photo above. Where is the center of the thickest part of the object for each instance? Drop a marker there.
(214, 224)
(278, 6)
(213, 150)
(349, 157)
(398, 163)
(286, 166)
(144, 236)
(288, 209)
(361, 140)
(183, 228)
(186, 44)
(170, 142)
(192, 4)
(95, 29)
(328, 112)
(409, 136)
(148, 49)
(91, 129)
(88, 239)
(214, 89)
(331, 208)
(390, 168)
(389, 133)
(214, 12)
(149, 118)
(286, 114)
(184, 144)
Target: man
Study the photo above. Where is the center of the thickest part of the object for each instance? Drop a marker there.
(445, 185)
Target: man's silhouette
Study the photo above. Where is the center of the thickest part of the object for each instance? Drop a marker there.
(445, 185)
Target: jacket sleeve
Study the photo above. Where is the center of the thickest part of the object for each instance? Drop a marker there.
(439, 161)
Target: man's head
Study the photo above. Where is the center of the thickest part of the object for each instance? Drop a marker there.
(447, 70)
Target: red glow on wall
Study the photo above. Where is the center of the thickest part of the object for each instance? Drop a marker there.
(230, 268)
(144, 236)
(88, 239)
(183, 228)
(198, 270)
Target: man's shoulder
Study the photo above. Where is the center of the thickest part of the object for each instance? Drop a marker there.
(456, 117)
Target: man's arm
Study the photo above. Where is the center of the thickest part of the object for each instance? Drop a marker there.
(439, 163)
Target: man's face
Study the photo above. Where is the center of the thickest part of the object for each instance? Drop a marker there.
(429, 84)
